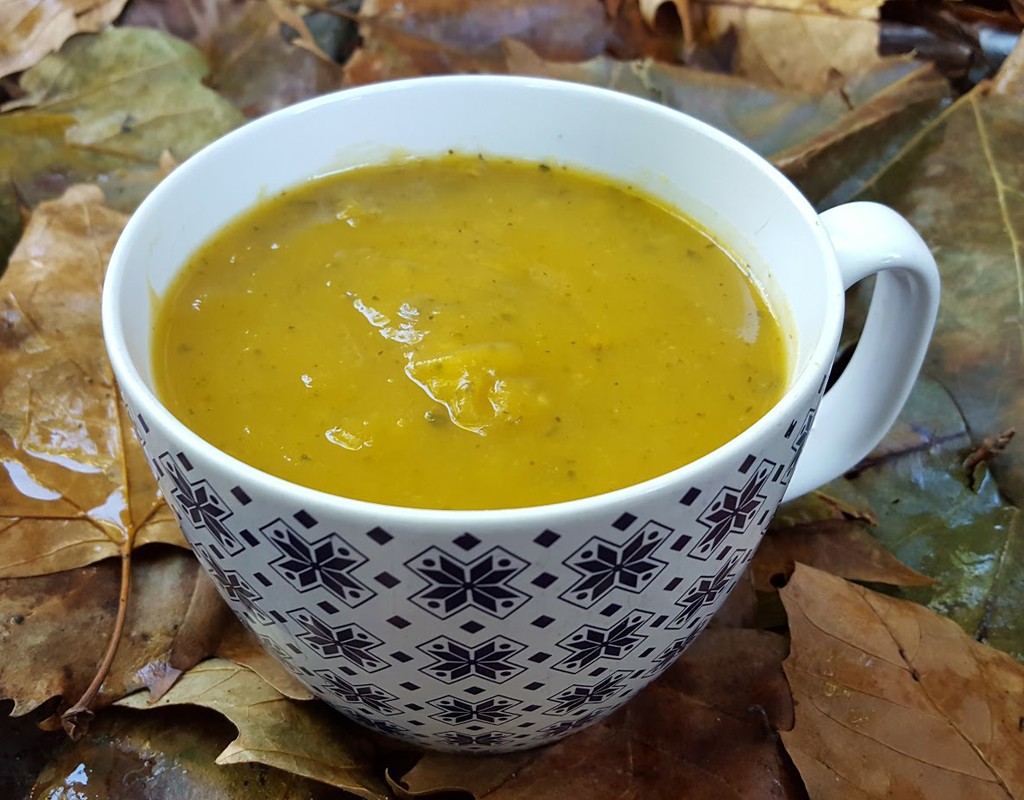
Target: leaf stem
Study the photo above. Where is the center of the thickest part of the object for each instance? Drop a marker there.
(77, 718)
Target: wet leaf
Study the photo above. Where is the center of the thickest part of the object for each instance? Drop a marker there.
(893, 700)
(106, 108)
(53, 628)
(165, 755)
(30, 29)
(706, 729)
(838, 546)
(305, 739)
(960, 184)
(75, 487)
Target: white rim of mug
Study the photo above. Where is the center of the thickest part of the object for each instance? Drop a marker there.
(132, 383)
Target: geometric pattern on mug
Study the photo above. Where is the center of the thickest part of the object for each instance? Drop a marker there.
(237, 589)
(706, 591)
(591, 643)
(566, 726)
(327, 563)
(454, 661)
(457, 711)
(578, 696)
(603, 565)
(366, 695)
(349, 641)
(798, 443)
(384, 726)
(453, 585)
(667, 657)
(199, 504)
(731, 511)
(478, 741)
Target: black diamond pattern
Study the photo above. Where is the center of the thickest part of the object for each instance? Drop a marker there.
(604, 565)
(454, 661)
(706, 592)
(453, 585)
(199, 505)
(368, 696)
(731, 511)
(457, 711)
(235, 587)
(327, 563)
(579, 696)
(588, 644)
(348, 641)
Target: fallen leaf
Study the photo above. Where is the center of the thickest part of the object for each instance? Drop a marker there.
(563, 30)
(796, 44)
(75, 486)
(53, 628)
(970, 541)
(838, 546)
(105, 109)
(1010, 80)
(253, 66)
(854, 124)
(305, 40)
(305, 739)
(888, 114)
(705, 729)
(960, 184)
(165, 755)
(893, 700)
(30, 29)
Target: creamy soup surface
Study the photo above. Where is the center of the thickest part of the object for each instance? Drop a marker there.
(466, 333)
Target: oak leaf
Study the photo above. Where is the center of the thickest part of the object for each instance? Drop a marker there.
(305, 739)
(893, 700)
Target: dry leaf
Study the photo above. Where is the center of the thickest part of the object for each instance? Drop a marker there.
(53, 628)
(253, 66)
(840, 547)
(76, 487)
(107, 108)
(164, 755)
(1010, 80)
(305, 739)
(292, 18)
(703, 730)
(29, 29)
(893, 700)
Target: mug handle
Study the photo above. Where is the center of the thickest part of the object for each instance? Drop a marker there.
(860, 408)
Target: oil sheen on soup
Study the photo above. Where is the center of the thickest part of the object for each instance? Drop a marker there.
(466, 333)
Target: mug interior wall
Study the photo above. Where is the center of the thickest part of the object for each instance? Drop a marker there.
(641, 144)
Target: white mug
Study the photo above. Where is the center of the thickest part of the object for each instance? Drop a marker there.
(504, 629)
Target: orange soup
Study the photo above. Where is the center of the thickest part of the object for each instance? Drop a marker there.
(466, 333)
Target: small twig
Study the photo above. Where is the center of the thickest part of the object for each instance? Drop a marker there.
(77, 718)
(989, 449)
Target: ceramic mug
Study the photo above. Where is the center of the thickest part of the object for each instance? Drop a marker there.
(505, 629)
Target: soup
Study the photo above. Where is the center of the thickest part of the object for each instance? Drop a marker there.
(466, 333)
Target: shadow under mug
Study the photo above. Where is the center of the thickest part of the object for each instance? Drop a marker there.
(506, 629)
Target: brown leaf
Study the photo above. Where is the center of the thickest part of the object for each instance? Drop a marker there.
(239, 645)
(29, 29)
(791, 49)
(305, 739)
(54, 628)
(253, 66)
(704, 730)
(1010, 80)
(893, 700)
(563, 30)
(164, 755)
(838, 546)
(76, 487)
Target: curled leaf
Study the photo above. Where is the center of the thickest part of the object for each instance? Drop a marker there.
(302, 738)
